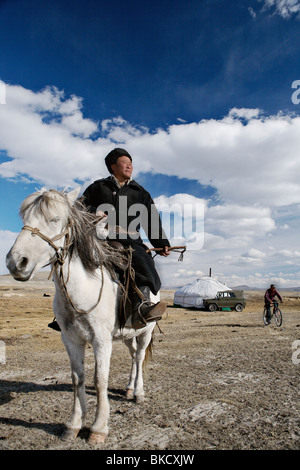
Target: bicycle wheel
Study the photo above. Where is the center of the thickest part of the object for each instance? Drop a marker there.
(266, 318)
(278, 317)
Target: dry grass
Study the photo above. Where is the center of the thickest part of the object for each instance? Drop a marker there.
(217, 380)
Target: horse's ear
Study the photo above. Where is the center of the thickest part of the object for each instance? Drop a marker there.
(73, 195)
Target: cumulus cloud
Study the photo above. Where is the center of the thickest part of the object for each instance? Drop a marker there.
(46, 137)
(246, 156)
(239, 219)
(249, 158)
(179, 203)
(254, 253)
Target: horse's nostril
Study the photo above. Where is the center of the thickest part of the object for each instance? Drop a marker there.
(23, 263)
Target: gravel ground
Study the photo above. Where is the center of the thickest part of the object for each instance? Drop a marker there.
(218, 380)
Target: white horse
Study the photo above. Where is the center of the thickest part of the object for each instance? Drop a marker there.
(57, 231)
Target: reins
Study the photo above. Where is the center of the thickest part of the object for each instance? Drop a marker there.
(178, 249)
(118, 229)
(50, 241)
(69, 298)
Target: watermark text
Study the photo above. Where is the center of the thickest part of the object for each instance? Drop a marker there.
(296, 353)
(2, 93)
(182, 223)
(296, 95)
(2, 353)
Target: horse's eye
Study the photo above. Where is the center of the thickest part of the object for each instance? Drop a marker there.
(55, 220)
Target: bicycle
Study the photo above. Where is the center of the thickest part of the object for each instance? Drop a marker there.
(268, 314)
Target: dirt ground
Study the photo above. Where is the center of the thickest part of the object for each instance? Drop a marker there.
(217, 380)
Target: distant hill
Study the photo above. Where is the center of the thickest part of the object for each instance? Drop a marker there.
(244, 287)
(40, 278)
(281, 289)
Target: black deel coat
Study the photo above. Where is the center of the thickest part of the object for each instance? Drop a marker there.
(130, 207)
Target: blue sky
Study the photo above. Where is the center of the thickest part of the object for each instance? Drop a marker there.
(152, 62)
(199, 92)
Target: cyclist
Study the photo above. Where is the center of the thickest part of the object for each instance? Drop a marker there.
(270, 295)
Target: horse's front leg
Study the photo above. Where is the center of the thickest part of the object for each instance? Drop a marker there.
(76, 355)
(99, 429)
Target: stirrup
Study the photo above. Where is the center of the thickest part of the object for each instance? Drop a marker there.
(54, 325)
(151, 316)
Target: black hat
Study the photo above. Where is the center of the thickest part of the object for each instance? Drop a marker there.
(113, 156)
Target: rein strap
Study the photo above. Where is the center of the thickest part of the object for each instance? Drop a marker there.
(35, 231)
(178, 249)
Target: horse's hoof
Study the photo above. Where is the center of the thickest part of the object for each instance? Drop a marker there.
(139, 398)
(130, 394)
(69, 434)
(96, 438)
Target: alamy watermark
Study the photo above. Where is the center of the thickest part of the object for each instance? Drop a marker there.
(181, 223)
(2, 353)
(296, 353)
(296, 95)
(2, 93)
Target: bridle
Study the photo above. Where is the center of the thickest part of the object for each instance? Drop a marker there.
(61, 255)
(61, 252)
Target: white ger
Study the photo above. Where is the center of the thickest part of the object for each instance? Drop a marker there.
(57, 231)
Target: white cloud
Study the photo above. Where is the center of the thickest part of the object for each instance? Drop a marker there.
(47, 137)
(252, 12)
(284, 8)
(178, 202)
(7, 239)
(245, 113)
(246, 156)
(289, 253)
(250, 159)
(77, 125)
(244, 161)
(239, 219)
(254, 253)
(183, 219)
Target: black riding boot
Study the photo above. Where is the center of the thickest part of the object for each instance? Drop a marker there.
(143, 311)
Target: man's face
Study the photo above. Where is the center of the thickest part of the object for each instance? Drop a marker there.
(122, 169)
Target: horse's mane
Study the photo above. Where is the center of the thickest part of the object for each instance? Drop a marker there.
(84, 242)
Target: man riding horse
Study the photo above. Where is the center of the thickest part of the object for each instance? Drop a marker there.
(113, 197)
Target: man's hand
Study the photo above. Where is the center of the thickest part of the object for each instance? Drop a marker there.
(165, 251)
(101, 214)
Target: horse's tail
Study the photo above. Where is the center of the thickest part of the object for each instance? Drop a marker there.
(148, 352)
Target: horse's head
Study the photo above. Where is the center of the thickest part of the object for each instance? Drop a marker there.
(45, 216)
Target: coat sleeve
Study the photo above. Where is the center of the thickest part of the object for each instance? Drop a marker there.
(279, 296)
(88, 198)
(267, 298)
(152, 224)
